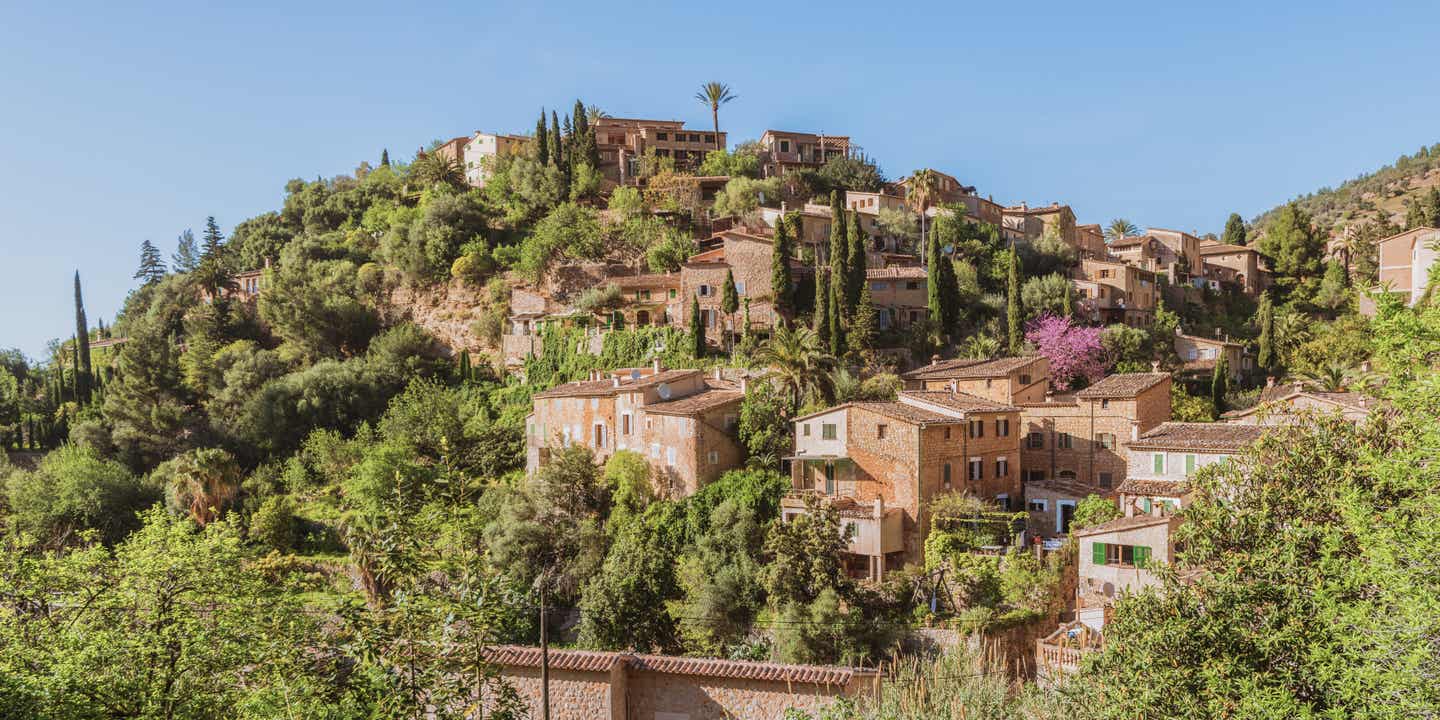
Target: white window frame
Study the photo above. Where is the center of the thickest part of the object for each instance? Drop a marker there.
(1059, 514)
(1044, 504)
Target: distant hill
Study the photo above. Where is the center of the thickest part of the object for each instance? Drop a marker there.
(1384, 192)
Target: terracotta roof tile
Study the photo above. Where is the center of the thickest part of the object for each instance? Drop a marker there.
(907, 413)
(594, 661)
(964, 369)
(1122, 385)
(648, 281)
(1224, 249)
(960, 401)
(1168, 488)
(1219, 437)
(1125, 523)
(700, 402)
(607, 386)
(907, 272)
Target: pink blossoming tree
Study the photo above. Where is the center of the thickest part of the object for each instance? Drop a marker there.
(1074, 351)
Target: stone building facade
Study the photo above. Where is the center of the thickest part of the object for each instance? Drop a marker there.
(1076, 438)
(1008, 380)
(746, 255)
(683, 422)
(906, 452)
(589, 685)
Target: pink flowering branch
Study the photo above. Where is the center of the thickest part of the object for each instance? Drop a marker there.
(1074, 351)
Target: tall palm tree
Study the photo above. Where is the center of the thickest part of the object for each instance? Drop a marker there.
(1120, 228)
(920, 193)
(713, 95)
(1330, 377)
(796, 361)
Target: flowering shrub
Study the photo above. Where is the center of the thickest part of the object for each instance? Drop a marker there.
(1074, 351)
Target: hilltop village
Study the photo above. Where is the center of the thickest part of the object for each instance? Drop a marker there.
(735, 427)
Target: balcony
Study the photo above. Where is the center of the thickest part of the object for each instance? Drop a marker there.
(1061, 652)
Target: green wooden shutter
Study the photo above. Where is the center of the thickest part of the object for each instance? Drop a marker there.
(1189, 464)
(1098, 553)
(1142, 556)
(1145, 504)
(1159, 465)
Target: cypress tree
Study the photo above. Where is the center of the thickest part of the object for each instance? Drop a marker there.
(385, 157)
(1220, 383)
(839, 242)
(837, 318)
(782, 285)
(557, 154)
(729, 297)
(586, 149)
(152, 267)
(697, 329)
(1012, 303)
(542, 140)
(82, 348)
(935, 288)
(862, 327)
(821, 315)
(464, 366)
(1265, 316)
(1067, 307)
(855, 263)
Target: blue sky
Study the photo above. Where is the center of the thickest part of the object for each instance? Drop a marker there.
(121, 122)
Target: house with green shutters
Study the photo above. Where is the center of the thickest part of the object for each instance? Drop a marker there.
(1118, 557)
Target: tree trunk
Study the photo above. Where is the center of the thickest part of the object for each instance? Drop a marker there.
(715, 117)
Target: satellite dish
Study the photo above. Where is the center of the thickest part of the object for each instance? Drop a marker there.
(664, 391)
(634, 375)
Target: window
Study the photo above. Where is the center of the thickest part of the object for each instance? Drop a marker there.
(880, 431)
(694, 137)
(1123, 555)
(1035, 440)
(1034, 476)
(1189, 464)
(1002, 427)
(704, 291)
(977, 469)
(1104, 403)
(806, 430)
(1106, 479)
(1039, 505)
(1003, 500)
(947, 433)
(977, 428)
(670, 456)
(710, 138)
(1106, 440)
(625, 423)
(1064, 442)
(1158, 463)
(912, 285)
(662, 136)
(945, 476)
(642, 295)
(827, 431)
(1002, 467)
(740, 288)
(714, 457)
(655, 450)
(784, 146)
(673, 293)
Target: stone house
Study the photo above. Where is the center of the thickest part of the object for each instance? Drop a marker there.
(1055, 215)
(482, 150)
(1051, 506)
(1076, 438)
(622, 142)
(1284, 404)
(592, 685)
(782, 151)
(950, 191)
(1199, 354)
(1142, 251)
(900, 455)
(529, 313)
(1405, 260)
(1173, 451)
(1007, 380)
(244, 286)
(1181, 252)
(1116, 292)
(453, 150)
(652, 299)
(748, 256)
(1119, 556)
(1090, 241)
(899, 296)
(1247, 268)
(683, 422)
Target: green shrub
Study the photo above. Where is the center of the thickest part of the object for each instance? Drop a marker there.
(275, 525)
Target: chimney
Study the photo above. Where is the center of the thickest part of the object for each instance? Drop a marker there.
(267, 263)
(744, 384)
(719, 374)
(1155, 366)
(655, 366)
(615, 381)
(1270, 381)
(953, 387)
(935, 358)
(1217, 333)
(1134, 430)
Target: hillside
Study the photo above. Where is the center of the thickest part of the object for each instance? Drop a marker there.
(1383, 194)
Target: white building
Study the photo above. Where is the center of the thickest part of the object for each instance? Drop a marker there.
(481, 151)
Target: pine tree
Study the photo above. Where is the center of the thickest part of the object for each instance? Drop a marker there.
(1012, 303)
(697, 329)
(82, 348)
(855, 263)
(730, 298)
(152, 268)
(557, 154)
(821, 315)
(1414, 215)
(385, 157)
(1265, 316)
(1234, 230)
(187, 255)
(1220, 383)
(542, 140)
(213, 240)
(782, 284)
